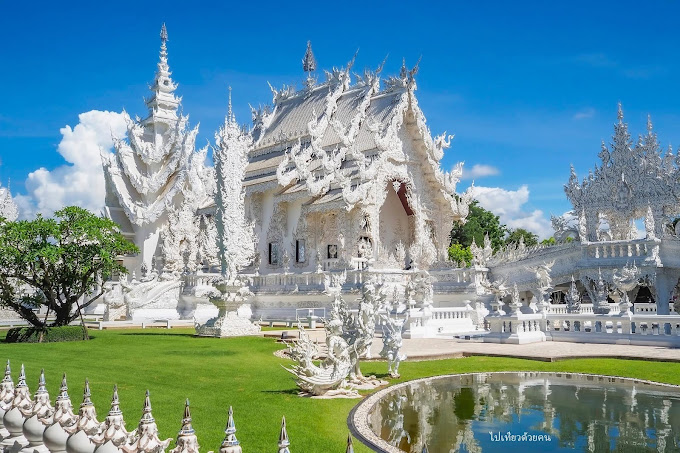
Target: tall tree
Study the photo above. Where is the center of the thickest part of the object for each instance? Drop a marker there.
(515, 235)
(479, 222)
(58, 263)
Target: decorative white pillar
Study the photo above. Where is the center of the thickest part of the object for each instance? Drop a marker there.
(145, 438)
(6, 397)
(86, 426)
(14, 418)
(33, 426)
(186, 438)
(113, 435)
(350, 447)
(55, 436)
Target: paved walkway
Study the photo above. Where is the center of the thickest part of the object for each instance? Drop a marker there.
(424, 349)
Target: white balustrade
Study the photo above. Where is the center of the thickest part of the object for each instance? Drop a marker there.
(66, 432)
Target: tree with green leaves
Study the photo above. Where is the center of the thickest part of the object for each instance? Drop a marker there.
(479, 222)
(58, 263)
(460, 254)
(514, 236)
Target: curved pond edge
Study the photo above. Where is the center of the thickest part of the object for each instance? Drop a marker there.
(357, 420)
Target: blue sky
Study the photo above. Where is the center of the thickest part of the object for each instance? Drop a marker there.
(527, 88)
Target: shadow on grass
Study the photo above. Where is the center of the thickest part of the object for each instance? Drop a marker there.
(166, 334)
(292, 391)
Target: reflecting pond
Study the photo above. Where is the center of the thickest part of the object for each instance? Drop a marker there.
(520, 412)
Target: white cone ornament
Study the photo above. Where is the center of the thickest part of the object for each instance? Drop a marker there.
(14, 417)
(187, 442)
(230, 443)
(55, 435)
(33, 426)
(283, 438)
(113, 435)
(85, 426)
(6, 397)
(145, 438)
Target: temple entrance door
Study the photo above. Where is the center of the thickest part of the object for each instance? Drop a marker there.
(396, 222)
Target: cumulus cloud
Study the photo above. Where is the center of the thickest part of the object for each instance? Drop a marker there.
(479, 171)
(81, 180)
(508, 205)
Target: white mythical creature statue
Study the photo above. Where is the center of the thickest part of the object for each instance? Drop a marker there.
(347, 339)
(625, 281)
(573, 298)
(329, 378)
(393, 329)
(499, 290)
(544, 284)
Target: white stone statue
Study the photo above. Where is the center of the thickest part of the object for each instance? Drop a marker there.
(392, 342)
(329, 378)
(573, 298)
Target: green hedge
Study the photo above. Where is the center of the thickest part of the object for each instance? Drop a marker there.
(50, 334)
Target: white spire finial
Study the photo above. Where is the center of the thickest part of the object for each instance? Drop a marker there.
(649, 124)
(308, 61)
(230, 113)
(164, 34)
(620, 112)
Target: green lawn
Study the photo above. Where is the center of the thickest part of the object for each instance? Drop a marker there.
(242, 372)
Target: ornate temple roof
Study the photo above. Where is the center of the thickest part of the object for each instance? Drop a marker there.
(333, 140)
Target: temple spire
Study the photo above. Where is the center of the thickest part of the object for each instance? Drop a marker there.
(309, 62)
(230, 113)
(163, 103)
(620, 113)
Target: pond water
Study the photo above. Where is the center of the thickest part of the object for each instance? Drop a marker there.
(522, 412)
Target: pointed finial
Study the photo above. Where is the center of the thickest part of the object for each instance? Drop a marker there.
(283, 438)
(164, 34)
(8, 373)
(230, 113)
(649, 124)
(22, 377)
(620, 112)
(425, 450)
(350, 447)
(230, 441)
(115, 403)
(187, 429)
(146, 411)
(308, 61)
(403, 73)
(63, 389)
(86, 394)
(42, 388)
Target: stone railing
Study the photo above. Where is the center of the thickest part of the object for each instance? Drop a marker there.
(34, 425)
(651, 308)
(618, 250)
(590, 328)
(561, 309)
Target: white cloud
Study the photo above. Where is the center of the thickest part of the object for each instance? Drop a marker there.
(81, 181)
(584, 114)
(507, 204)
(479, 171)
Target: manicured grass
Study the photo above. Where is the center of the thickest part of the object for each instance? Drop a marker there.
(242, 372)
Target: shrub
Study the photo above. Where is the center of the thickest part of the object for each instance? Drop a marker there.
(50, 334)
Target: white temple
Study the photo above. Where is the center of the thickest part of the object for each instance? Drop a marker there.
(338, 184)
